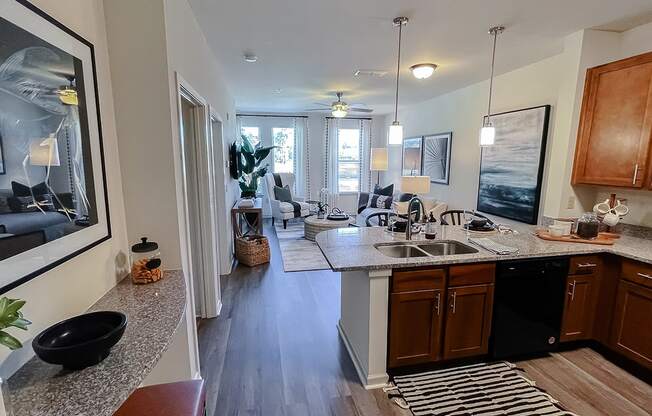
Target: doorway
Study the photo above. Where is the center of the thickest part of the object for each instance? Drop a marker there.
(202, 246)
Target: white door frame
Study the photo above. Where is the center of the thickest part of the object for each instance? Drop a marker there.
(219, 179)
(209, 302)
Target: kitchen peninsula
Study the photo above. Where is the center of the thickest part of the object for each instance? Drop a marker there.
(408, 311)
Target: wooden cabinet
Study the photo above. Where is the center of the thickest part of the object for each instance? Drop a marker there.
(468, 321)
(415, 327)
(630, 332)
(615, 131)
(415, 316)
(578, 308)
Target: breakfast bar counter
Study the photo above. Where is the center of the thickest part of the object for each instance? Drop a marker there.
(153, 311)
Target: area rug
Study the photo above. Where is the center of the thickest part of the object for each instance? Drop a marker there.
(298, 253)
(479, 389)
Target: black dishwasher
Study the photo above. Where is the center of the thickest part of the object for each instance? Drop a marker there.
(528, 306)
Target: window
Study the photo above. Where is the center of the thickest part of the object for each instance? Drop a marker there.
(284, 152)
(252, 134)
(348, 160)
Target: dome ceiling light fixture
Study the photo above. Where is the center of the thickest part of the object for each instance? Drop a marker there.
(488, 131)
(423, 71)
(395, 135)
(250, 57)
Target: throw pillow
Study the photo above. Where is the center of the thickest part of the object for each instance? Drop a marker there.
(283, 194)
(404, 197)
(5, 194)
(23, 190)
(386, 191)
(379, 201)
(26, 203)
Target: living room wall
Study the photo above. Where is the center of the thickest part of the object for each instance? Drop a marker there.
(557, 81)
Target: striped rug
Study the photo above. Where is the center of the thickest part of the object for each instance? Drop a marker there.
(478, 389)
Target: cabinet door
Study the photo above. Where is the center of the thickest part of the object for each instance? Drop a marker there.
(468, 321)
(578, 308)
(615, 124)
(630, 331)
(415, 327)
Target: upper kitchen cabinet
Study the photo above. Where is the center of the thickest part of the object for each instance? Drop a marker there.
(615, 131)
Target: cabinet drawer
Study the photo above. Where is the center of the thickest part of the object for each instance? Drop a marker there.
(414, 280)
(472, 274)
(584, 265)
(636, 272)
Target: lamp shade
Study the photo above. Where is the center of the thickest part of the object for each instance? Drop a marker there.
(44, 152)
(415, 184)
(487, 135)
(379, 159)
(395, 133)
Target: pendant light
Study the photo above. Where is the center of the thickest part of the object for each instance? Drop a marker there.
(488, 131)
(396, 130)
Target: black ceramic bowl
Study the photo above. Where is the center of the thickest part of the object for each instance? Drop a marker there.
(82, 341)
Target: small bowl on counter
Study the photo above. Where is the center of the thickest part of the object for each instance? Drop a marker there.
(82, 341)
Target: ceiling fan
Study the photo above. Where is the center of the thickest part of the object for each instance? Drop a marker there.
(339, 108)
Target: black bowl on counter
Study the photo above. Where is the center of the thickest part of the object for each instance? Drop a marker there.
(82, 341)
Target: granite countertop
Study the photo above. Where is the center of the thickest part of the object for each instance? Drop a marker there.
(353, 248)
(154, 312)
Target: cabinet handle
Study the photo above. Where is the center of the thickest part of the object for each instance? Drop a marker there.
(585, 265)
(635, 174)
(572, 292)
(647, 276)
(454, 302)
(437, 302)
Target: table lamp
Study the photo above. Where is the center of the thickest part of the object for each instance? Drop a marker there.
(379, 161)
(415, 184)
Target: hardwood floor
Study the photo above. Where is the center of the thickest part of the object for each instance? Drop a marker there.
(274, 350)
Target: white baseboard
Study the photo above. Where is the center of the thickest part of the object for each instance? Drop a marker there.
(369, 382)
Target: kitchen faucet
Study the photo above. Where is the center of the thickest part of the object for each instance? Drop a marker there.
(408, 229)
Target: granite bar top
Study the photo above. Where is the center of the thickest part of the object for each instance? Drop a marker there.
(352, 248)
(154, 312)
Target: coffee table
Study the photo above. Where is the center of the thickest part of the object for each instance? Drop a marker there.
(313, 225)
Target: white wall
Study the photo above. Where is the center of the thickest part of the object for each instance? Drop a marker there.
(72, 287)
(559, 81)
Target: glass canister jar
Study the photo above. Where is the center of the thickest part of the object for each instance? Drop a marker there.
(588, 226)
(145, 262)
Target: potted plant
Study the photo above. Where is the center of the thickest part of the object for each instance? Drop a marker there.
(10, 316)
(250, 161)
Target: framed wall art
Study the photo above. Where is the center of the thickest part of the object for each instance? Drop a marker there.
(436, 160)
(53, 197)
(511, 171)
(411, 162)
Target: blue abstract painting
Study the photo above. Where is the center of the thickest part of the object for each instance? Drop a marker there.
(511, 170)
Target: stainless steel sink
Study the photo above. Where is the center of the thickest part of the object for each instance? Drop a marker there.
(446, 248)
(403, 250)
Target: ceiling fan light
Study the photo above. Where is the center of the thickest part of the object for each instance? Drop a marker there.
(395, 133)
(487, 135)
(339, 113)
(423, 71)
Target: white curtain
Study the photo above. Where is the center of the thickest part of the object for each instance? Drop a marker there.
(330, 144)
(300, 157)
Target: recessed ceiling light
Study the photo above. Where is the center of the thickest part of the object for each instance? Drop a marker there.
(376, 73)
(277, 91)
(423, 71)
(250, 57)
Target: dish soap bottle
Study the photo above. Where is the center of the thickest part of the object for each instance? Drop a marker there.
(431, 228)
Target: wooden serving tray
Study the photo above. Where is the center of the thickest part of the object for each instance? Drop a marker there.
(605, 239)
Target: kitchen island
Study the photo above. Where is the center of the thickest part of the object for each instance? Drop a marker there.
(367, 281)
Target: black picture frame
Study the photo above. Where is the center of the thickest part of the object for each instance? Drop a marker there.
(98, 170)
(3, 167)
(420, 153)
(449, 151)
(496, 196)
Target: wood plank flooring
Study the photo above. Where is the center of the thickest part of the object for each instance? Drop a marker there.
(274, 350)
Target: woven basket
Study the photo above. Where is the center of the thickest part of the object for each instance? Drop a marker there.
(252, 250)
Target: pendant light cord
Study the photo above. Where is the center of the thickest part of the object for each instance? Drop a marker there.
(491, 80)
(398, 71)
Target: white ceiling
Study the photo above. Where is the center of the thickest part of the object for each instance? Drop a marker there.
(310, 48)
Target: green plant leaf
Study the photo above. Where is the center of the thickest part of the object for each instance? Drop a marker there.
(262, 152)
(9, 341)
(246, 146)
(250, 163)
(21, 323)
(4, 302)
(14, 306)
